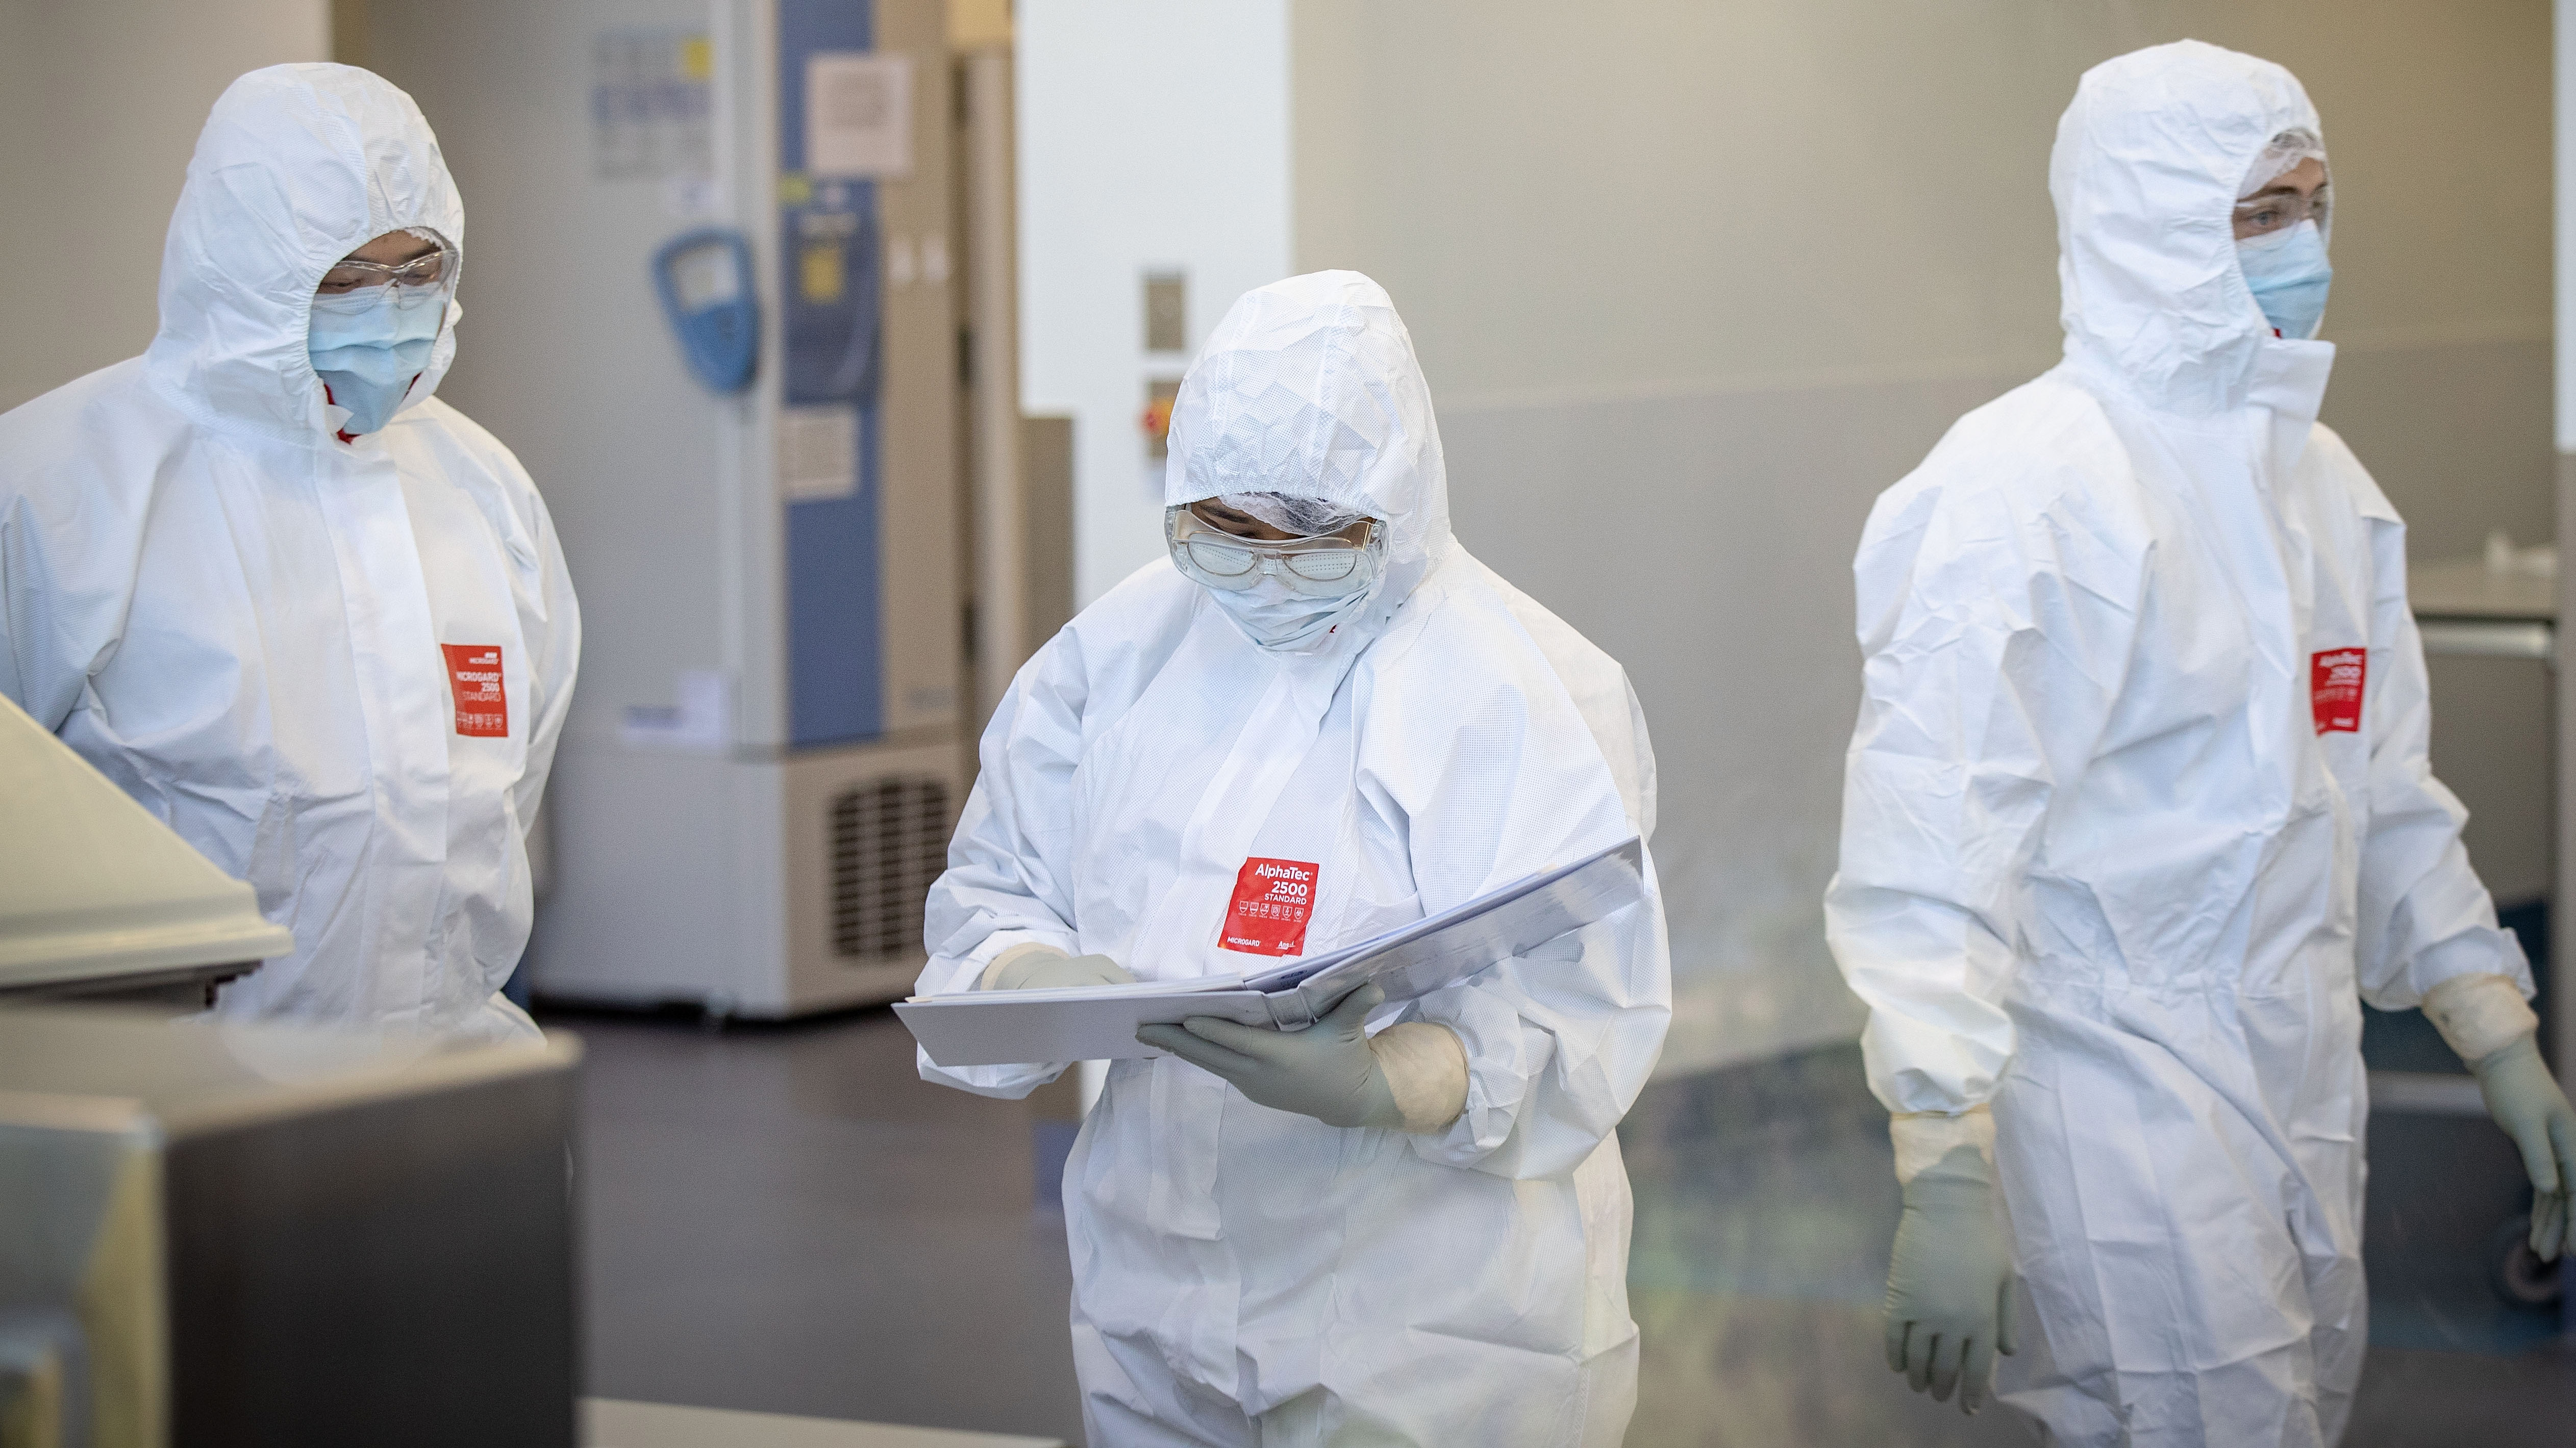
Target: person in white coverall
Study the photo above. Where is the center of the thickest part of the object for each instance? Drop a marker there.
(307, 614)
(2138, 814)
(1416, 1237)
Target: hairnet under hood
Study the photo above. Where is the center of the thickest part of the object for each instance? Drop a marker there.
(2149, 161)
(298, 166)
(1310, 388)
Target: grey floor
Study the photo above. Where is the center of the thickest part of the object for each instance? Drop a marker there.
(786, 1219)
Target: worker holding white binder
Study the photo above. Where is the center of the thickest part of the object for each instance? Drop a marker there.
(1320, 718)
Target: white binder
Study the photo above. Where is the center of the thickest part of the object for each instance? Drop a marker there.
(1090, 1023)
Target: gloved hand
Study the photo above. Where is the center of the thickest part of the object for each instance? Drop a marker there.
(1043, 967)
(1409, 1077)
(2526, 1102)
(2484, 1019)
(1950, 1288)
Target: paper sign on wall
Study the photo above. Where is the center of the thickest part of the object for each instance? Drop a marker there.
(699, 719)
(652, 106)
(818, 453)
(858, 114)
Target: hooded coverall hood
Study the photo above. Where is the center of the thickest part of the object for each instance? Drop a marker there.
(298, 166)
(2149, 161)
(1310, 388)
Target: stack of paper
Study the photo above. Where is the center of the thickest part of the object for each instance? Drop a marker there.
(1090, 1023)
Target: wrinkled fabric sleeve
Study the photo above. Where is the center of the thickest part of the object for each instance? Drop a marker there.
(2425, 916)
(1009, 878)
(41, 669)
(1560, 1040)
(21, 614)
(1600, 691)
(553, 631)
(1989, 671)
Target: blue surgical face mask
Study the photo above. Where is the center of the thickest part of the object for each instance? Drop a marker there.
(1285, 620)
(2288, 273)
(370, 347)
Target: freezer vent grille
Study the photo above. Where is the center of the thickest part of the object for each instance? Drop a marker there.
(889, 841)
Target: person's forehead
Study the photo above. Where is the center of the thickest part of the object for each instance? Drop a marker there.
(2307, 173)
(402, 244)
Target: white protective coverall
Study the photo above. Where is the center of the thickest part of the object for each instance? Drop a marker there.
(257, 629)
(2138, 810)
(1244, 1275)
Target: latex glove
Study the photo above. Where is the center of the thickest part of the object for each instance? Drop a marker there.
(1409, 1077)
(1043, 967)
(2525, 1100)
(2484, 1019)
(1950, 1288)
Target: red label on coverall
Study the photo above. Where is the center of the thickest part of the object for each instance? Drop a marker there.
(474, 674)
(2335, 679)
(1272, 899)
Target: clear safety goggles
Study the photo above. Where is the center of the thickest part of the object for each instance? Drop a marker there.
(1331, 566)
(2278, 211)
(426, 278)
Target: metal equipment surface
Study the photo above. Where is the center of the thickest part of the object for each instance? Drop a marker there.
(100, 899)
(215, 1234)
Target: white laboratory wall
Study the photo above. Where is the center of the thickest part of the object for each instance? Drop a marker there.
(100, 105)
(1153, 135)
(1693, 283)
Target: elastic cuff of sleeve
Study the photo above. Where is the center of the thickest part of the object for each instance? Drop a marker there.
(2479, 1015)
(1922, 1138)
(1021, 951)
(1426, 1072)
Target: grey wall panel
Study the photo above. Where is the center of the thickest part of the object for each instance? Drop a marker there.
(1705, 541)
(100, 105)
(2491, 743)
(2457, 433)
